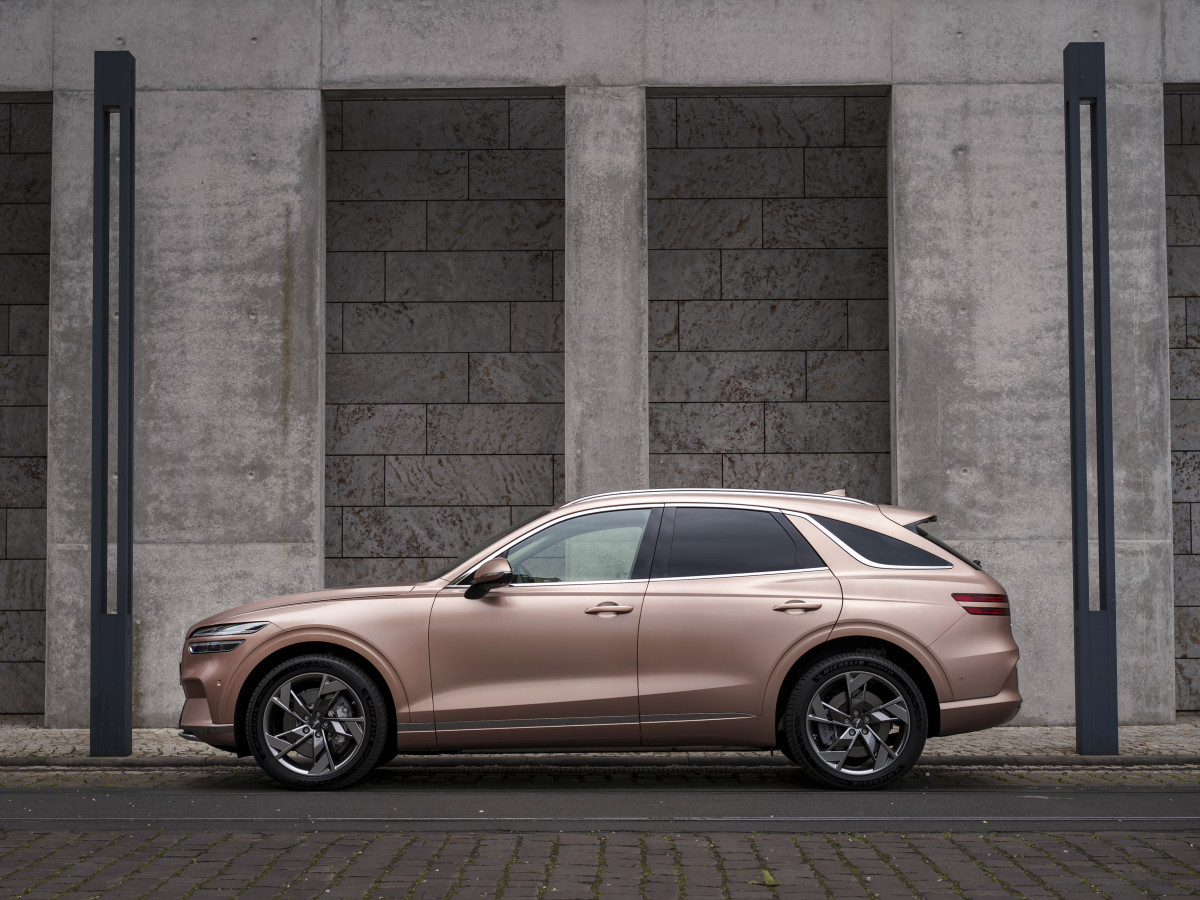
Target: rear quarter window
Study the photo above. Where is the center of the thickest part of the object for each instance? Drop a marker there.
(881, 549)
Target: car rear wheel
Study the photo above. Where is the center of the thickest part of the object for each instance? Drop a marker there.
(855, 720)
(317, 722)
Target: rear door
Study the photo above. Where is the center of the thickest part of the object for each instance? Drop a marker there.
(732, 589)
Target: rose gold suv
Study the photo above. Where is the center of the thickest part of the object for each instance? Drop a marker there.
(833, 629)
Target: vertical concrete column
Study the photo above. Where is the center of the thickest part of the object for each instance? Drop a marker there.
(606, 377)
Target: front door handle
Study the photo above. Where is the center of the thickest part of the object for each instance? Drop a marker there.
(607, 609)
(797, 606)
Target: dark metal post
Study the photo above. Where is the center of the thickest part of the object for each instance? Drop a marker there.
(112, 633)
(1095, 630)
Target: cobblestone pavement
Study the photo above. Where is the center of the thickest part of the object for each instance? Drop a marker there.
(211, 864)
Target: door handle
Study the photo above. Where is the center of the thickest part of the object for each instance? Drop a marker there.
(607, 608)
(797, 606)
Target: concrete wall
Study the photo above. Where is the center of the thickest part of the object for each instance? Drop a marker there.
(231, 220)
(24, 298)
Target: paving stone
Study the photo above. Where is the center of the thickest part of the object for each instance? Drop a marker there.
(23, 482)
(845, 172)
(429, 327)
(460, 277)
(354, 277)
(685, 470)
(374, 428)
(828, 427)
(442, 124)
(760, 121)
(23, 583)
(804, 223)
(1189, 125)
(863, 475)
(684, 274)
(1183, 271)
(762, 325)
(1187, 632)
(1186, 478)
(360, 572)
(375, 225)
(660, 122)
(1183, 220)
(706, 427)
(726, 377)
(1185, 374)
(536, 123)
(496, 428)
(725, 173)
(496, 225)
(22, 635)
(26, 534)
(867, 121)
(1187, 685)
(396, 175)
(25, 178)
(850, 375)
(1182, 165)
(418, 531)
(396, 378)
(25, 279)
(687, 224)
(29, 330)
(867, 325)
(663, 318)
(332, 111)
(1181, 528)
(804, 274)
(516, 378)
(517, 174)
(22, 688)
(32, 125)
(469, 480)
(25, 228)
(354, 481)
(1172, 121)
(333, 531)
(536, 327)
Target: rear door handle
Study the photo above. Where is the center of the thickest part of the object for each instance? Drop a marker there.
(797, 606)
(607, 608)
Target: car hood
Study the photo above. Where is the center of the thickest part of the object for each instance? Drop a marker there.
(239, 613)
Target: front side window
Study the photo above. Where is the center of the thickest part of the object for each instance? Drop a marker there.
(597, 547)
(735, 542)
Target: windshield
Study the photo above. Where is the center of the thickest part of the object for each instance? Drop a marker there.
(973, 563)
(487, 543)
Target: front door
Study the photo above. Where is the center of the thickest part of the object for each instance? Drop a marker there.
(551, 659)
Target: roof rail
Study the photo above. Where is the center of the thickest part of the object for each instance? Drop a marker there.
(806, 495)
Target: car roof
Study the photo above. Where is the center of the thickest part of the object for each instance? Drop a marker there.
(724, 496)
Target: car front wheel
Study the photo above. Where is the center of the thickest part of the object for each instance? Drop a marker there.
(855, 720)
(317, 722)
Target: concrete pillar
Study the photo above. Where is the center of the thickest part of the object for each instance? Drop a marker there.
(606, 376)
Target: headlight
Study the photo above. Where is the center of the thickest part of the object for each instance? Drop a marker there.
(235, 631)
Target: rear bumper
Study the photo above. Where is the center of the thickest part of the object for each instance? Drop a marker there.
(983, 712)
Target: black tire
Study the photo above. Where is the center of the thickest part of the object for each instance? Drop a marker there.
(855, 721)
(334, 729)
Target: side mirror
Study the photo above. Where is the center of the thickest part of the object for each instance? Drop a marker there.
(492, 574)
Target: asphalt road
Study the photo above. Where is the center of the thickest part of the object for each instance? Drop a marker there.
(593, 798)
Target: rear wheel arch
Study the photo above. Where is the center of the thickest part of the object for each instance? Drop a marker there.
(893, 652)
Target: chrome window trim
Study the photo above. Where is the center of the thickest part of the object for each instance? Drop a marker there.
(742, 574)
(862, 559)
(742, 491)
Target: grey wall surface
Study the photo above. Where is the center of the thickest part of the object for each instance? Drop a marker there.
(444, 337)
(25, 135)
(768, 286)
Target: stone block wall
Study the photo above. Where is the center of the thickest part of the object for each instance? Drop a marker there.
(1182, 162)
(25, 131)
(768, 273)
(444, 366)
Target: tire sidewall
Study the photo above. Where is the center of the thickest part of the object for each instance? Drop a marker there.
(817, 677)
(374, 713)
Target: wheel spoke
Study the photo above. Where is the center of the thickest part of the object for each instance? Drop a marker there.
(279, 745)
(287, 709)
(837, 712)
(853, 706)
(322, 761)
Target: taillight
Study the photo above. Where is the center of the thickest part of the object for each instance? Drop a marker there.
(997, 604)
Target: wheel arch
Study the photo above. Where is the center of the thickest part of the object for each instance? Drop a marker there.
(893, 652)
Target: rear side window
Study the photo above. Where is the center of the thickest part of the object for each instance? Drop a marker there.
(733, 542)
(879, 548)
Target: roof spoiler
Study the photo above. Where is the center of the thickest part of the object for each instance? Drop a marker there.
(907, 517)
(840, 492)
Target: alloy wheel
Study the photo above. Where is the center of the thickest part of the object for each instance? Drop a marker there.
(314, 724)
(858, 723)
